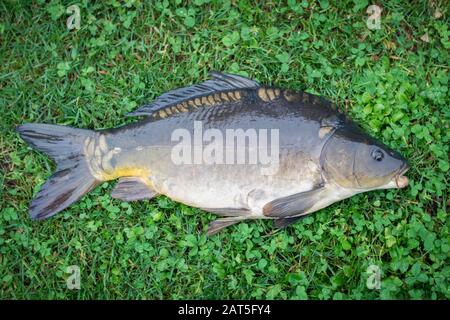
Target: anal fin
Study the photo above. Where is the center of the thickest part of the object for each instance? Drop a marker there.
(132, 189)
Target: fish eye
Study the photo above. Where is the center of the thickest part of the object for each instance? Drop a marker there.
(377, 155)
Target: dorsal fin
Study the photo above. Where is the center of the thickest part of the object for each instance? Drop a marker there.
(219, 82)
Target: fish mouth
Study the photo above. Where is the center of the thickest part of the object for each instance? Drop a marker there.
(402, 181)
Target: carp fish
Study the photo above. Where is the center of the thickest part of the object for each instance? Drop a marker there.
(320, 155)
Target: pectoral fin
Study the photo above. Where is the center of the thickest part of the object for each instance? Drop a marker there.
(293, 205)
(132, 189)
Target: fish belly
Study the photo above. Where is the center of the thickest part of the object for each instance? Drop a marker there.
(234, 186)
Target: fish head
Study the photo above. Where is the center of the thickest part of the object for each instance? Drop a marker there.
(354, 160)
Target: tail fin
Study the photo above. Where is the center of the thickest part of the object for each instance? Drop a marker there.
(72, 178)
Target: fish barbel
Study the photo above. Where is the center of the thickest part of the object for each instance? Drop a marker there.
(313, 154)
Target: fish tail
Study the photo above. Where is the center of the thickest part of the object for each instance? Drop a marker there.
(73, 177)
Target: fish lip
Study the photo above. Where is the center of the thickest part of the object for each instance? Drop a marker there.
(401, 181)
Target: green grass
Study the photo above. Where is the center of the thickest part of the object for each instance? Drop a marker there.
(126, 53)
